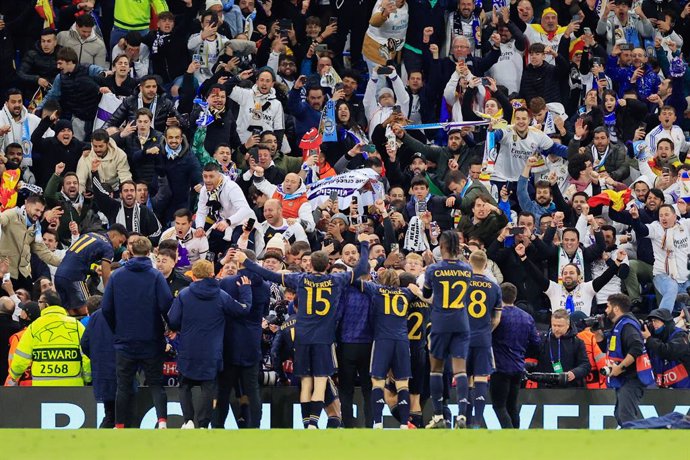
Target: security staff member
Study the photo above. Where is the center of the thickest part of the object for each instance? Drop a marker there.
(630, 370)
(51, 347)
(669, 350)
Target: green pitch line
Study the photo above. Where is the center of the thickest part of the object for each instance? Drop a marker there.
(344, 444)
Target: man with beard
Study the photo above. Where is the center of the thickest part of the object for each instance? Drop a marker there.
(548, 33)
(222, 207)
(14, 155)
(287, 70)
(17, 124)
(629, 367)
(275, 224)
(162, 108)
(107, 159)
(667, 129)
(572, 294)
(292, 194)
(609, 159)
(181, 167)
(456, 155)
(125, 211)
(641, 267)
(307, 112)
(89, 249)
(285, 163)
(75, 205)
(189, 248)
(543, 202)
(464, 191)
(62, 147)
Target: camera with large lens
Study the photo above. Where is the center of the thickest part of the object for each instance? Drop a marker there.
(596, 323)
(549, 378)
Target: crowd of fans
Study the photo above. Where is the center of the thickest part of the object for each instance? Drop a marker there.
(553, 138)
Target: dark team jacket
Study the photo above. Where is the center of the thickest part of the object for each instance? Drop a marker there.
(572, 353)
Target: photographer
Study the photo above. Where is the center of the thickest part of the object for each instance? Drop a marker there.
(669, 350)
(629, 370)
(562, 356)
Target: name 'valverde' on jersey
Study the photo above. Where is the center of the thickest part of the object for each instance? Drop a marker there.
(88, 249)
(449, 281)
(389, 307)
(483, 299)
(317, 298)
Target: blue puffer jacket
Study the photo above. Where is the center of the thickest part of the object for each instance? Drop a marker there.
(135, 303)
(242, 342)
(353, 317)
(306, 117)
(199, 314)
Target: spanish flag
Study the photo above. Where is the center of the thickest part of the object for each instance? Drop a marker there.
(8, 189)
(611, 198)
(44, 8)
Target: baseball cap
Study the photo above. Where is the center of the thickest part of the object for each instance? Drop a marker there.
(417, 155)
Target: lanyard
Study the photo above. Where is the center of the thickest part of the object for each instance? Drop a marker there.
(551, 351)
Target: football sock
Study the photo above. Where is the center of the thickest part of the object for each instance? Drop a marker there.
(316, 408)
(436, 387)
(470, 405)
(416, 418)
(480, 392)
(377, 403)
(404, 405)
(333, 422)
(461, 388)
(306, 407)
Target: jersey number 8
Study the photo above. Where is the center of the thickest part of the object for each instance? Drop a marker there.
(477, 306)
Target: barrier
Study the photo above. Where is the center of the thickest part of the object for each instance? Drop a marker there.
(61, 408)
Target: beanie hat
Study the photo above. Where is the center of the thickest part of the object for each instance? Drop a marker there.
(62, 124)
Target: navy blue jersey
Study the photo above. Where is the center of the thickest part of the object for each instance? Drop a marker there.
(318, 297)
(389, 306)
(448, 280)
(417, 321)
(483, 300)
(91, 248)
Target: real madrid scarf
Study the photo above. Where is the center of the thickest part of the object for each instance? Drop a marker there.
(415, 237)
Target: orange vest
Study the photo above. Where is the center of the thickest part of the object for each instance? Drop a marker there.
(25, 379)
(597, 360)
(290, 207)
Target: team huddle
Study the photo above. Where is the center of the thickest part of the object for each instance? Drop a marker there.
(456, 308)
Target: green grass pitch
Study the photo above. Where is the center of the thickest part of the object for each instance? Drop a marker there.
(344, 444)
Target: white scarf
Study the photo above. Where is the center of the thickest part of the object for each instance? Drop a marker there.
(76, 204)
(564, 259)
(140, 104)
(136, 217)
(667, 247)
(415, 237)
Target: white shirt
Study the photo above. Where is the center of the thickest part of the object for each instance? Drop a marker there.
(196, 247)
(508, 70)
(514, 152)
(254, 111)
(675, 134)
(612, 287)
(678, 249)
(583, 295)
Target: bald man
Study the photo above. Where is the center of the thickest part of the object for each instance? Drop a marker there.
(292, 196)
(275, 223)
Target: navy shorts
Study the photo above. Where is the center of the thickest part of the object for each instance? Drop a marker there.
(420, 373)
(390, 355)
(72, 293)
(453, 344)
(480, 361)
(315, 360)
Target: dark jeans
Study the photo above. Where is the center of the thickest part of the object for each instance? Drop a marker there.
(109, 419)
(354, 359)
(504, 393)
(126, 371)
(353, 16)
(248, 376)
(208, 392)
(628, 401)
